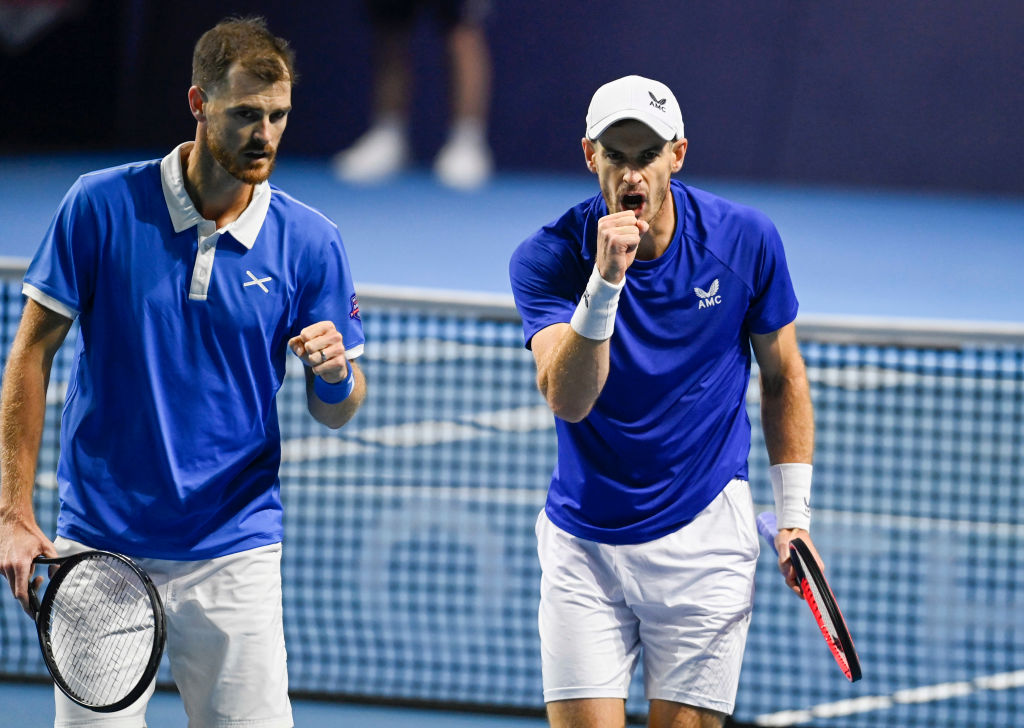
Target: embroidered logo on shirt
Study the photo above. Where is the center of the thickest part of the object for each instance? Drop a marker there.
(256, 282)
(709, 297)
(354, 310)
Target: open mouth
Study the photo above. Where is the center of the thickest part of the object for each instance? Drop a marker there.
(632, 202)
(256, 154)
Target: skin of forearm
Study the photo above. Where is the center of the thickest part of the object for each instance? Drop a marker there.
(787, 418)
(22, 412)
(572, 376)
(335, 416)
(23, 405)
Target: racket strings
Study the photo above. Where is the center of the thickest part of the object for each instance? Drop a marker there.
(825, 623)
(101, 630)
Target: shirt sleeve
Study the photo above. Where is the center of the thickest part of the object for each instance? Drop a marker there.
(329, 294)
(774, 302)
(62, 273)
(546, 284)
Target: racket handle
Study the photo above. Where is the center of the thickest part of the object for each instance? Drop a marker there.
(767, 526)
(33, 598)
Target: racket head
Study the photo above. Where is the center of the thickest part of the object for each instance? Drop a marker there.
(98, 603)
(822, 601)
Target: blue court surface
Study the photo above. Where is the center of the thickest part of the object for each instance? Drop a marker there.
(28, 705)
(852, 252)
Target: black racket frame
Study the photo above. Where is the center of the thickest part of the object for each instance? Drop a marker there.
(806, 568)
(42, 611)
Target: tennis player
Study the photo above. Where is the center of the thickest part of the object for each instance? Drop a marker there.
(192, 278)
(641, 306)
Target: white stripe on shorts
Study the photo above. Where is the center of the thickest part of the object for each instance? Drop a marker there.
(685, 599)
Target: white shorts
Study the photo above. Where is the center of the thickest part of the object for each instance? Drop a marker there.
(684, 601)
(225, 643)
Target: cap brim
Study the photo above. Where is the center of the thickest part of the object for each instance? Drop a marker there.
(665, 131)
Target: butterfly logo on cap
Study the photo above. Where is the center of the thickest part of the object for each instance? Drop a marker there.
(657, 103)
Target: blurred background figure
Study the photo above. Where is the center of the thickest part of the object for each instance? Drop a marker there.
(465, 160)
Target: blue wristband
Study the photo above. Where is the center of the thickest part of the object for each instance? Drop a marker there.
(334, 393)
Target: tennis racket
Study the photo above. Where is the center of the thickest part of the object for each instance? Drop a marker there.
(819, 598)
(101, 628)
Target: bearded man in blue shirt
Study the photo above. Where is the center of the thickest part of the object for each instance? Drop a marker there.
(192, 278)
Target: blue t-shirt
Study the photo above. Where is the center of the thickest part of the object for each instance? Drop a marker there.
(170, 445)
(670, 428)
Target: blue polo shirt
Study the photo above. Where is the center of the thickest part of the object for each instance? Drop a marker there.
(670, 428)
(170, 443)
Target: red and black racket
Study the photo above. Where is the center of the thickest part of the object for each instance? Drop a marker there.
(819, 598)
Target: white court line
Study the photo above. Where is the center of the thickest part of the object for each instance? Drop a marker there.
(516, 419)
(420, 433)
(417, 434)
(946, 526)
(868, 703)
(302, 449)
(874, 377)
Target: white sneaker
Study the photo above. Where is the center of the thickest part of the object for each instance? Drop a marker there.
(380, 153)
(464, 162)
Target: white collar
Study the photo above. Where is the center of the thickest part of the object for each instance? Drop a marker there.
(184, 214)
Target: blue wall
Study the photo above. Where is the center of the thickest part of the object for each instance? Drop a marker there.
(903, 94)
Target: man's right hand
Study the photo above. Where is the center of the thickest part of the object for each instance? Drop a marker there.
(618, 237)
(21, 540)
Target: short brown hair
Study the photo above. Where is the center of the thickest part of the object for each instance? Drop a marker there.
(246, 41)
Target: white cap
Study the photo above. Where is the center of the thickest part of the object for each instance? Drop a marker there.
(635, 97)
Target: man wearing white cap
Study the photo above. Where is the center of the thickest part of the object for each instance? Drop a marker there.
(641, 306)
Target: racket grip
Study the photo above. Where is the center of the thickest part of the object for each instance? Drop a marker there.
(767, 526)
(33, 598)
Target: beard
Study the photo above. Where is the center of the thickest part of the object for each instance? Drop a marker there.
(654, 202)
(235, 164)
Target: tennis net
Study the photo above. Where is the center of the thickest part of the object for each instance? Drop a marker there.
(410, 567)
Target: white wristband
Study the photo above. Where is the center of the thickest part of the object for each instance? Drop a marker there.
(791, 486)
(594, 317)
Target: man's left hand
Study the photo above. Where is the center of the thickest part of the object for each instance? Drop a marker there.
(321, 347)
